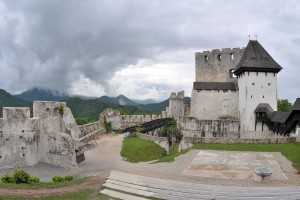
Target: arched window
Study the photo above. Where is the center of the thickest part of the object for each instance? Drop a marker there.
(206, 58)
(219, 57)
(231, 56)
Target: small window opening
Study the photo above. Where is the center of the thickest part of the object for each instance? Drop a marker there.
(251, 96)
(23, 155)
(219, 57)
(263, 96)
(22, 131)
(266, 73)
(0, 156)
(206, 58)
(256, 73)
(231, 56)
(232, 75)
(253, 83)
(269, 84)
(22, 147)
(21, 137)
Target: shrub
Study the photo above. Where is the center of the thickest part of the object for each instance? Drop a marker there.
(7, 178)
(68, 178)
(57, 179)
(21, 176)
(34, 179)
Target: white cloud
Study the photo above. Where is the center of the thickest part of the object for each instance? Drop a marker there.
(138, 48)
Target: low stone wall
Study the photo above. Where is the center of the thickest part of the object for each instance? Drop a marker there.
(161, 141)
(187, 142)
(90, 128)
(192, 127)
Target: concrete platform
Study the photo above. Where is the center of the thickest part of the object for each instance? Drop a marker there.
(147, 187)
(232, 164)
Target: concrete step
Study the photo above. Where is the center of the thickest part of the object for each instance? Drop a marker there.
(167, 189)
(120, 195)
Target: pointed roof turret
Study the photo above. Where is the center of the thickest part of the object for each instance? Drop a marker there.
(256, 58)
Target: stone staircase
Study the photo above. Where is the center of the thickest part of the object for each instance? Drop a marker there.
(134, 187)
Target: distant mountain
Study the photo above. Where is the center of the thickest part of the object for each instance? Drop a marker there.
(121, 100)
(91, 108)
(146, 101)
(8, 100)
(158, 107)
(42, 95)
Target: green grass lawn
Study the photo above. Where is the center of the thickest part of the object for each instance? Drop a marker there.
(135, 150)
(79, 195)
(43, 184)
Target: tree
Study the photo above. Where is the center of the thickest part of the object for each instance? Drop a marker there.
(139, 128)
(283, 105)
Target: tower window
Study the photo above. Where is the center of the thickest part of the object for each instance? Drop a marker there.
(269, 84)
(205, 58)
(263, 96)
(219, 57)
(253, 83)
(231, 56)
(251, 96)
(266, 73)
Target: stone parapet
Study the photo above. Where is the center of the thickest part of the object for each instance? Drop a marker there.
(187, 142)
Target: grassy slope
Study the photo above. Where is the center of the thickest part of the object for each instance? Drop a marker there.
(138, 150)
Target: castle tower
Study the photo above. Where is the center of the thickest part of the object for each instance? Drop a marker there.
(215, 91)
(257, 80)
(176, 104)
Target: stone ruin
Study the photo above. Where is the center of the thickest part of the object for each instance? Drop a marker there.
(50, 136)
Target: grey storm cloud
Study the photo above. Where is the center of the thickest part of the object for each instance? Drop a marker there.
(51, 43)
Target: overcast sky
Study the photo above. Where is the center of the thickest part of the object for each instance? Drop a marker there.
(141, 48)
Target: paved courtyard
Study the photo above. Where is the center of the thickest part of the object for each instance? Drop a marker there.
(232, 164)
(106, 157)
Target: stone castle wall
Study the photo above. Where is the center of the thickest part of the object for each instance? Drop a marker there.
(193, 127)
(211, 104)
(161, 141)
(215, 65)
(47, 137)
(94, 128)
(187, 142)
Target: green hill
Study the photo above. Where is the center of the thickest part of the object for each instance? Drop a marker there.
(8, 100)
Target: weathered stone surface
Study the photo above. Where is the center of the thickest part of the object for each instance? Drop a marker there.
(47, 137)
(161, 141)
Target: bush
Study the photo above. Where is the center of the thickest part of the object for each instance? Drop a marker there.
(68, 178)
(57, 179)
(21, 176)
(7, 178)
(34, 179)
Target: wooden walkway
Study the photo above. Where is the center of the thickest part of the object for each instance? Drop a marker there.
(129, 186)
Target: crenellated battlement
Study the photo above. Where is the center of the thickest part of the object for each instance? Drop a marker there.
(217, 65)
(222, 50)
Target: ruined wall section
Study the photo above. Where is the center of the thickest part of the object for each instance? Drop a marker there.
(215, 65)
(90, 128)
(124, 121)
(19, 138)
(193, 127)
(56, 144)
